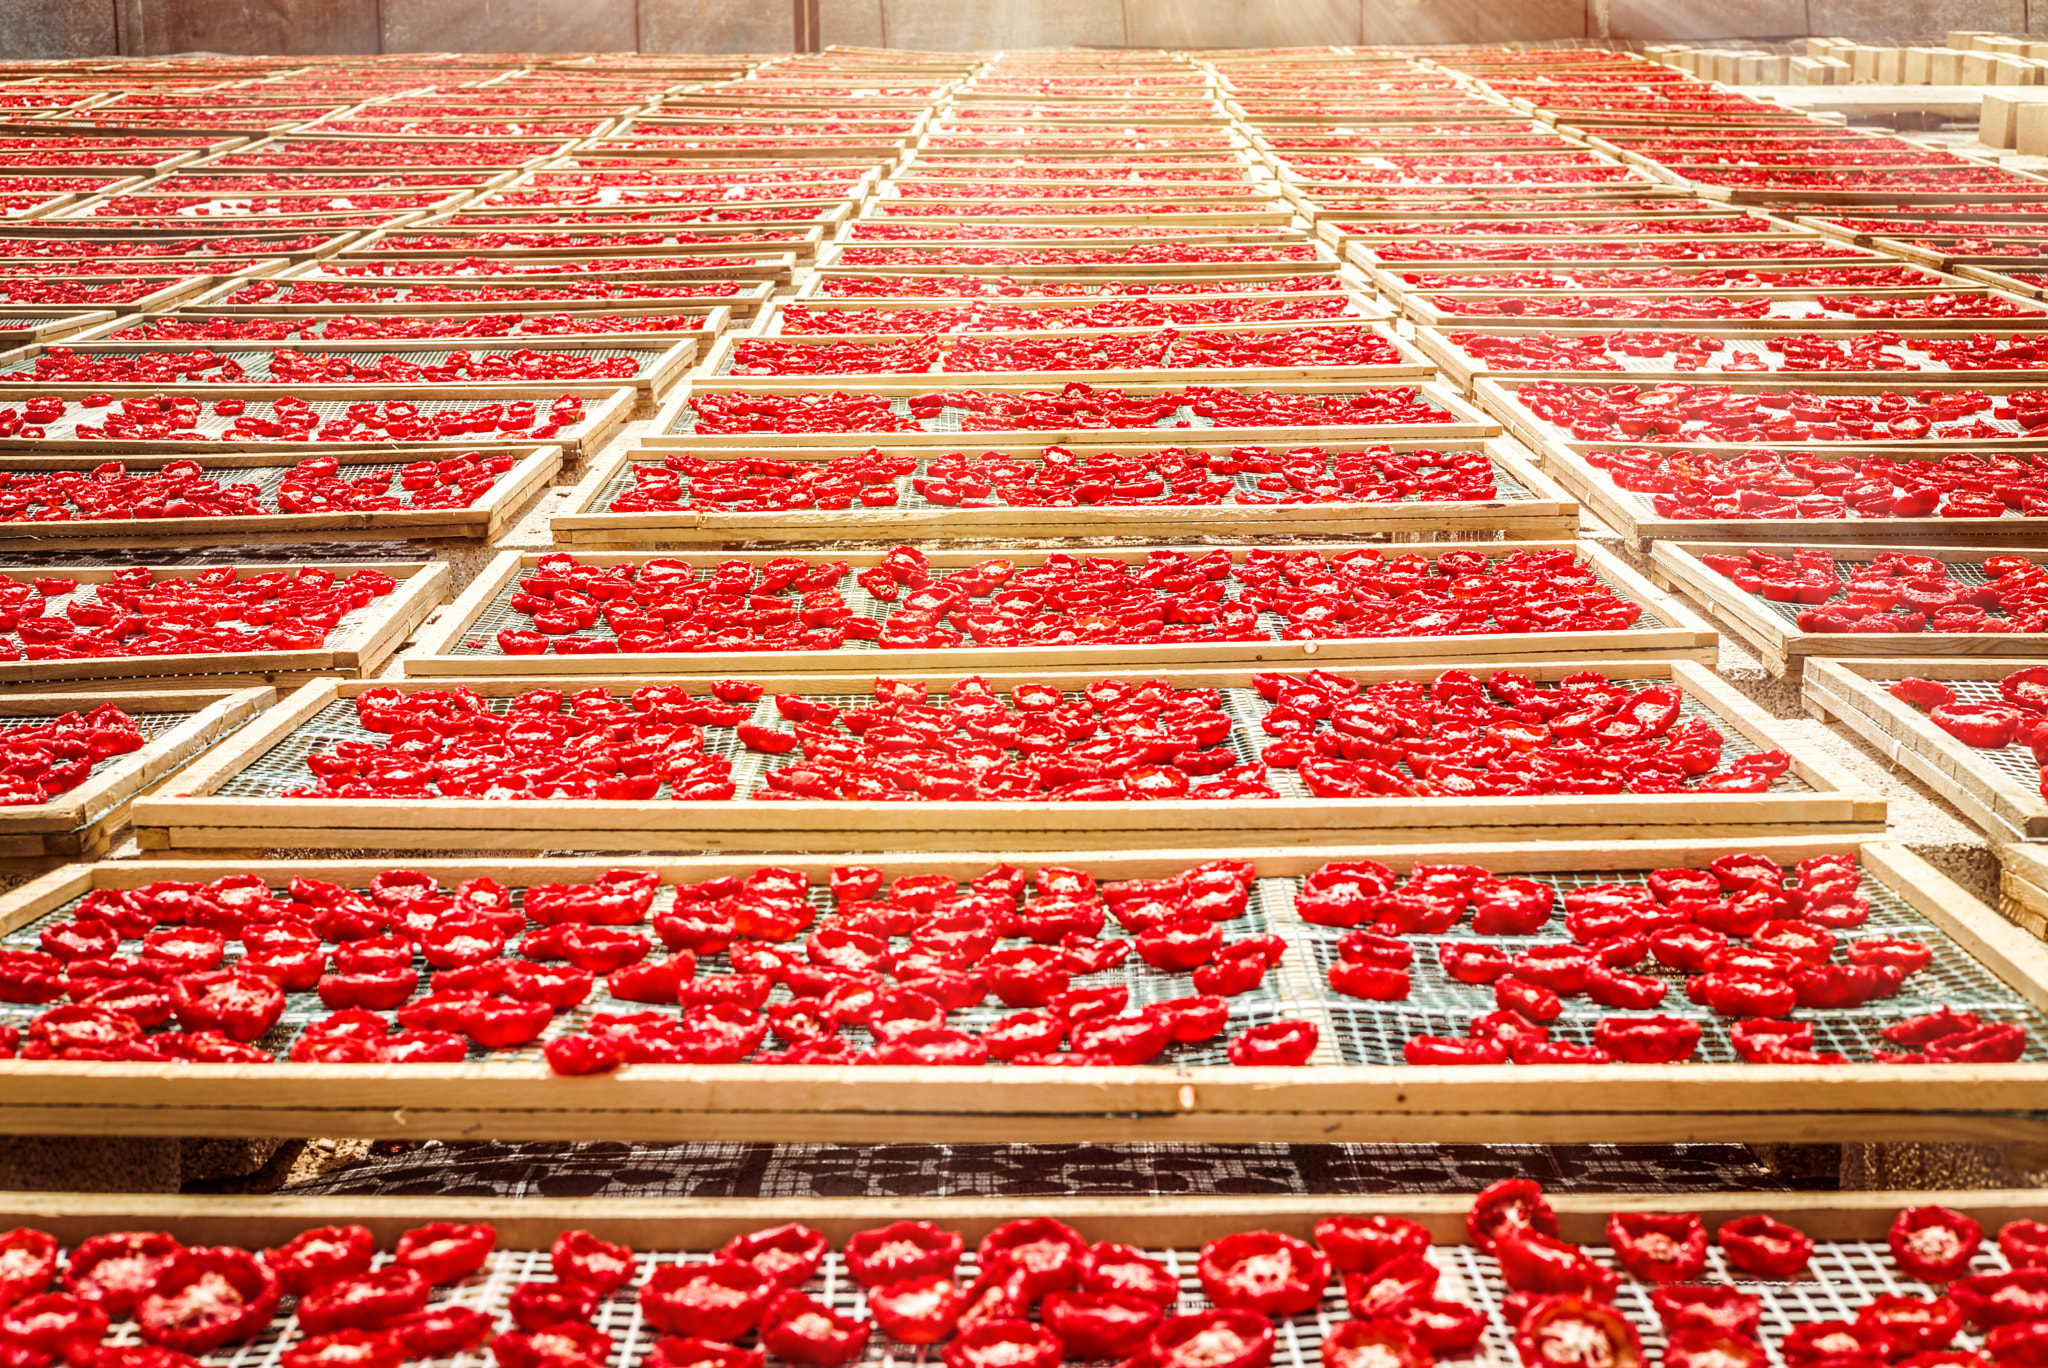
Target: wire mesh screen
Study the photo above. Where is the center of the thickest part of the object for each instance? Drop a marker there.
(1353, 1032)
(1846, 1275)
(1959, 572)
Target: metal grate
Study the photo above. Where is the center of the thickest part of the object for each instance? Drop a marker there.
(1507, 489)
(1846, 1275)
(480, 637)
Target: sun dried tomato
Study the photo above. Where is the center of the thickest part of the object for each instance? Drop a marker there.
(904, 1249)
(1933, 1243)
(207, 1296)
(1359, 1244)
(1374, 1344)
(577, 1256)
(115, 1271)
(1764, 1248)
(317, 1257)
(1263, 1271)
(28, 1263)
(1509, 1205)
(1659, 1247)
(1574, 1332)
(1915, 1325)
(800, 1330)
(717, 1301)
(1212, 1339)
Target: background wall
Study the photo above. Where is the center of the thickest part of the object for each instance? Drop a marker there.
(85, 28)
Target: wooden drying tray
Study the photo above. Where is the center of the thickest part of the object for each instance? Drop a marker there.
(1421, 307)
(21, 324)
(1465, 422)
(1028, 276)
(1856, 694)
(261, 244)
(1750, 338)
(663, 364)
(601, 421)
(748, 299)
(1335, 228)
(352, 652)
(1769, 196)
(1683, 635)
(1544, 511)
(2026, 289)
(1361, 309)
(710, 322)
(1456, 207)
(800, 214)
(623, 268)
(188, 816)
(811, 293)
(1785, 650)
(481, 521)
(722, 241)
(1318, 1103)
(1131, 229)
(1497, 397)
(175, 286)
(1634, 516)
(1941, 257)
(830, 260)
(1362, 256)
(1413, 365)
(80, 824)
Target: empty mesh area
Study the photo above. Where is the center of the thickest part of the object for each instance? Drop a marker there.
(480, 637)
(1845, 1276)
(283, 766)
(1507, 489)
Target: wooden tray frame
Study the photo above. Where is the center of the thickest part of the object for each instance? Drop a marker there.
(796, 1104)
(671, 362)
(188, 818)
(1469, 423)
(1853, 692)
(715, 321)
(80, 824)
(1565, 462)
(829, 260)
(479, 522)
(752, 297)
(422, 587)
(773, 267)
(601, 422)
(51, 324)
(1367, 310)
(1462, 369)
(1414, 365)
(1688, 637)
(702, 1224)
(1551, 515)
(1784, 650)
(1426, 314)
(1358, 254)
(803, 244)
(1496, 396)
